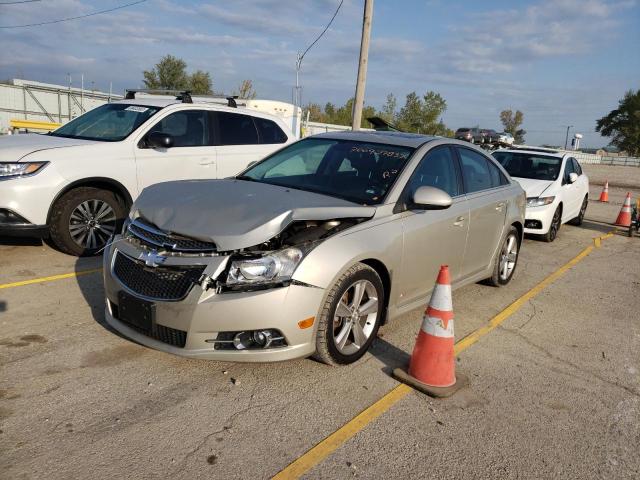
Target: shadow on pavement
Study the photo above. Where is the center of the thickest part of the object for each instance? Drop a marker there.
(92, 288)
(3, 306)
(600, 227)
(390, 355)
(20, 241)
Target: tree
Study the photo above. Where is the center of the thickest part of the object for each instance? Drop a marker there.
(511, 123)
(623, 124)
(171, 73)
(421, 115)
(200, 83)
(245, 90)
(388, 111)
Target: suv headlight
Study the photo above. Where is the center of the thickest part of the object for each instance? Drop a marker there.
(539, 201)
(272, 268)
(19, 169)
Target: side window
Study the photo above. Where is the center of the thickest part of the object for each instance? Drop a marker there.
(235, 129)
(568, 169)
(497, 177)
(269, 131)
(436, 169)
(576, 166)
(189, 128)
(475, 171)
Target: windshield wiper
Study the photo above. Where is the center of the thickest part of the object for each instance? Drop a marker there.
(246, 178)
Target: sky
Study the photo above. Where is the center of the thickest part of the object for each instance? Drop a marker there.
(561, 62)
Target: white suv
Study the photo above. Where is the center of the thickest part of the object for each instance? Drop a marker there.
(76, 184)
(557, 188)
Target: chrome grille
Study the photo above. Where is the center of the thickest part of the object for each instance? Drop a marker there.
(160, 283)
(151, 236)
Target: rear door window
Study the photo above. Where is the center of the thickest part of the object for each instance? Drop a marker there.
(475, 171)
(234, 129)
(269, 131)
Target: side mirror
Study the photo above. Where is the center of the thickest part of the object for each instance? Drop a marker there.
(159, 140)
(573, 177)
(430, 198)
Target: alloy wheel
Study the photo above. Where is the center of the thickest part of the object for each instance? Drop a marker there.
(355, 317)
(92, 223)
(555, 225)
(508, 257)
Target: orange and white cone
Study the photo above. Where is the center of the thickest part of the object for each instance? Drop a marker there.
(624, 217)
(432, 365)
(604, 196)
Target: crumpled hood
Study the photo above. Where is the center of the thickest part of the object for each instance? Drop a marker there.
(236, 214)
(14, 147)
(534, 188)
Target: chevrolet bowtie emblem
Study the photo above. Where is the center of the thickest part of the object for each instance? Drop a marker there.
(152, 258)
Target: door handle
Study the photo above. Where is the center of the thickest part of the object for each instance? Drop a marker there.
(459, 222)
(206, 161)
(500, 206)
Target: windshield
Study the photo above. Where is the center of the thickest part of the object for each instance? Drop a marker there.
(359, 172)
(108, 123)
(527, 165)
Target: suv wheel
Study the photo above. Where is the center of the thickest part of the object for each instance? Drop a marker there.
(83, 220)
(350, 316)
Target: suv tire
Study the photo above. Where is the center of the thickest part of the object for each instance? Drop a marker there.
(83, 220)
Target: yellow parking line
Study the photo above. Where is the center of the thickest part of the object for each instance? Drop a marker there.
(49, 279)
(327, 446)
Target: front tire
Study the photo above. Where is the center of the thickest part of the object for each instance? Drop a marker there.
(507, 259)
(556, 222)
(83, 220)
(350, 316)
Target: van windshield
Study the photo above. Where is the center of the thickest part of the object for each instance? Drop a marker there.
(107, 123)
(527, 165)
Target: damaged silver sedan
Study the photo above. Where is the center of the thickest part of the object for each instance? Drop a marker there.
(309, 251)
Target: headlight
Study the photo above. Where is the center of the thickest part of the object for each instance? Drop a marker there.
(272, 268)
(539, 201)
(18, 169)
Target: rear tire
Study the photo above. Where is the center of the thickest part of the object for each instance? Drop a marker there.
(506, 260)
(334, 327)
(83, 220)
(583, 208)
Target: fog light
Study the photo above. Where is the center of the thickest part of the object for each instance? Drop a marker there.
(262, 338)
(242, 340)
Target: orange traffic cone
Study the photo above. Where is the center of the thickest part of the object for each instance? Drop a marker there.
(432, 365)
(604, 196)
(624, 217)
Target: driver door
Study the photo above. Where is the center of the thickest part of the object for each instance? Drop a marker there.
(192, 155)
(433, 237)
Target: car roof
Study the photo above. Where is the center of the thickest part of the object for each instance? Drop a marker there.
(533, 151)
(402, 139)
(166, 101)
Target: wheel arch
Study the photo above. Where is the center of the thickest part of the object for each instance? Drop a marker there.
(520, 228)
(103, 183)
(382, 271)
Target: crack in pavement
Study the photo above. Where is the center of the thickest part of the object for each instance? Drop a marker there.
(567, 362)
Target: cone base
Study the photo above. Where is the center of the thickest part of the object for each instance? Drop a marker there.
(438, 392)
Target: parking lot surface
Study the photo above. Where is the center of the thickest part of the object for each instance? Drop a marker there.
(554, 392)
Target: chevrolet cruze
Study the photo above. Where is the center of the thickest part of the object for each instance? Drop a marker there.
(310, 250)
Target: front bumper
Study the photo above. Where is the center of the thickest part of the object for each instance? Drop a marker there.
(202, 315)
(541, 216)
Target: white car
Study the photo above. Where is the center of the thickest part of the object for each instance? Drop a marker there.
(557, 188)
(506, 138)
(76, 184)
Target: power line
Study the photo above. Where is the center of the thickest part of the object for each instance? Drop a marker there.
(74, 18)
(323, 32)
(19, 1)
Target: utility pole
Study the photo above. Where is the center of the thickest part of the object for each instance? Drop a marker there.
(362, 67)
(566, 139)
